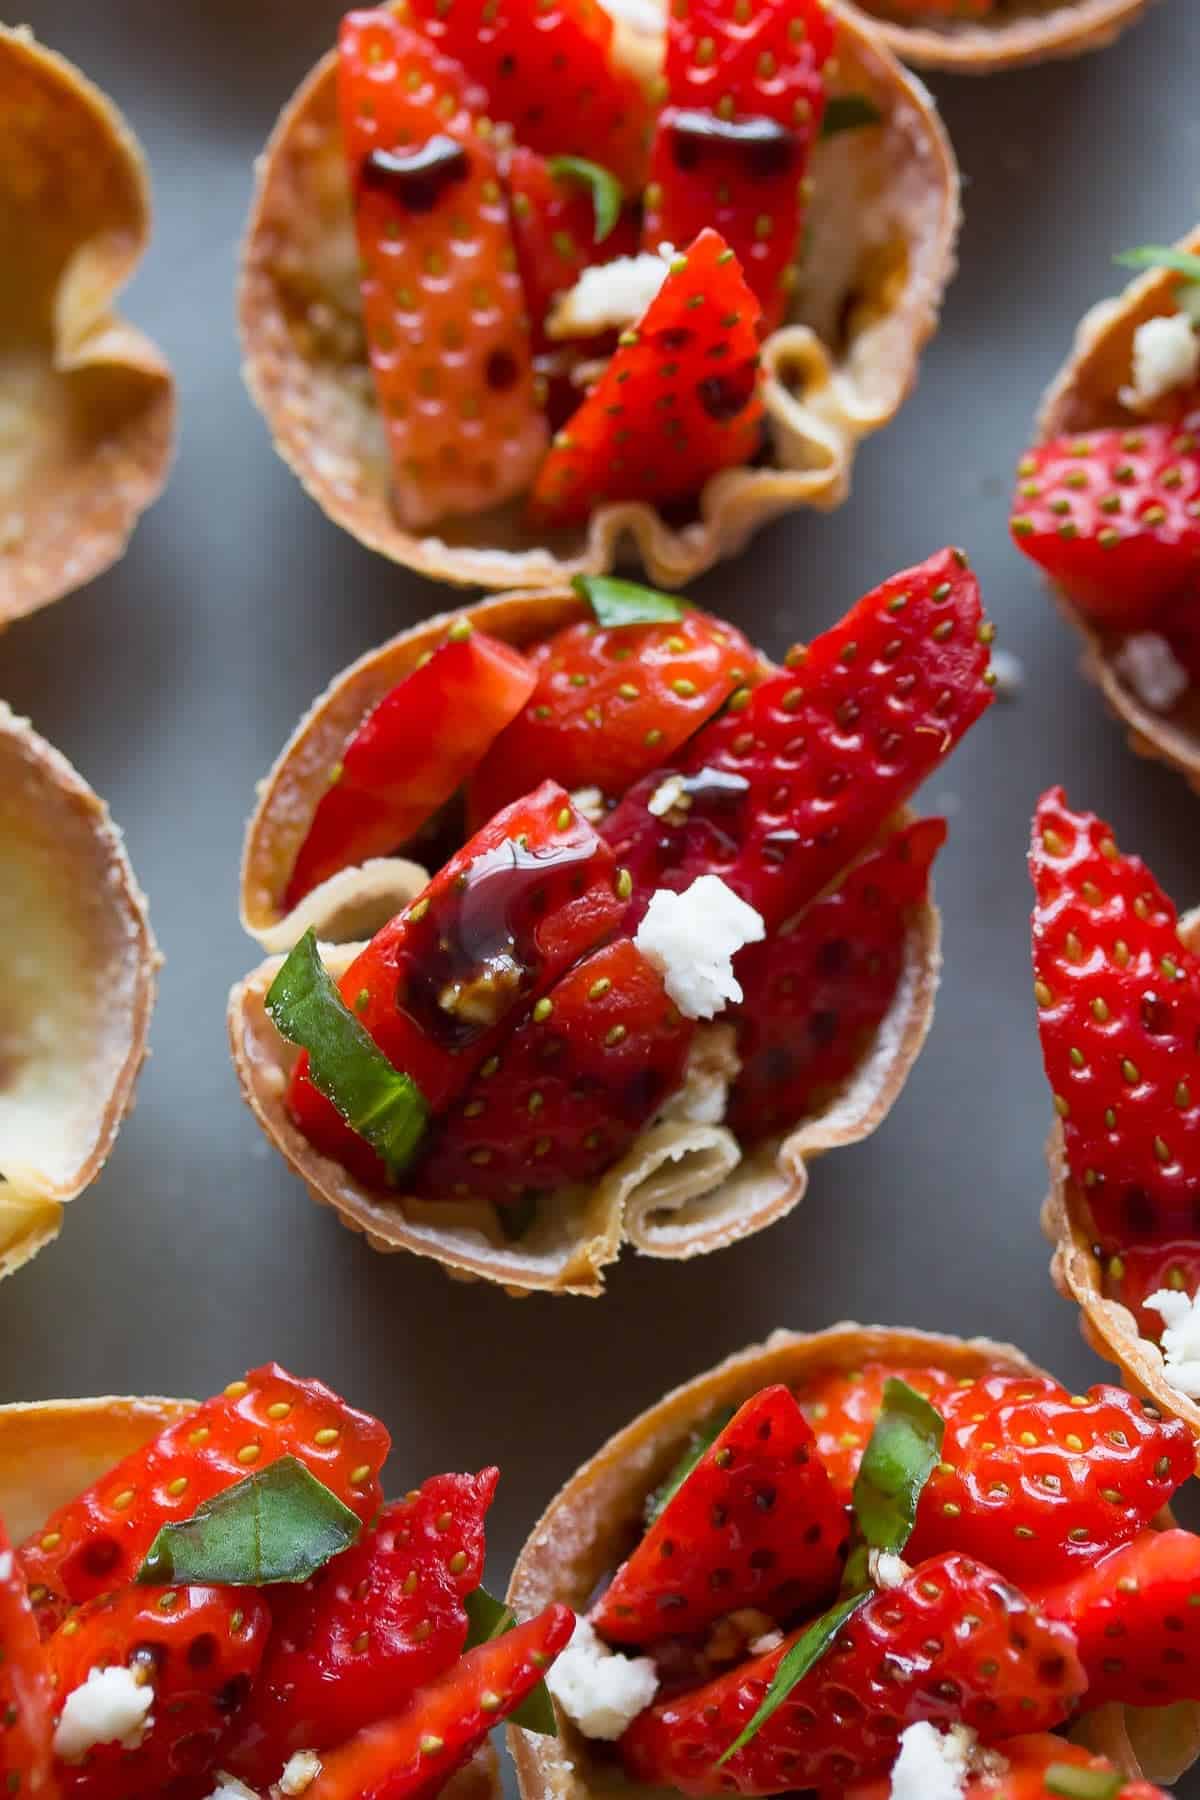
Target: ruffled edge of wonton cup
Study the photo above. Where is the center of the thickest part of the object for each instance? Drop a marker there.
(681, 1190)
(306, 371)
(1085, 395)
(50, 1450)
(1034, 33)
(95, 395)
(78, 968)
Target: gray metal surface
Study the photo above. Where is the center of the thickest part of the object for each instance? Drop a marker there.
(173, 680)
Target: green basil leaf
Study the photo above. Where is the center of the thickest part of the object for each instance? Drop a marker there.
(489, 1618)
(701, 1439)
(848, 112)
(280, 1524)
(899, 1459)
(1082, 1784)
(607, 194)
(795, 1666)
(384, 1106)
(617, 602)
(1161, 256)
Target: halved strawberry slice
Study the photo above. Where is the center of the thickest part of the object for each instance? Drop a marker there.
(442, 302)
(26, 1691)
(554, 228)
(756, 1523)
(98, 1541)
(816, 992)
(1118, 998)
(411, 752)
(842, 1406)
(678, 401)
(1136, 1271)
(445, 1722)
(795, 778)
(1037, 1767)
(1136, 1616)
(375, 1624)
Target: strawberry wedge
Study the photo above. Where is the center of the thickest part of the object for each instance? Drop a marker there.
(26, 1693)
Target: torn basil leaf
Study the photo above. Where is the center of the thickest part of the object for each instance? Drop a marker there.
(806, 1651)
(1082, 1784)
(701, 1440)
(384, 1106)
(279, 1524)
(1182, 262)
(899, 1459)
(606, 191)
(617, 602)
(848, 112)
(489, 1618)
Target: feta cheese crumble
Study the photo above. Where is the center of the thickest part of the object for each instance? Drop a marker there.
(600, 1690)
(667, 794)
(887, 1571)
(609, 295)
(1148, 665)
(111, 1707)
(230, 1788)
(930, 1766)
(299, 1772)
(692, 938)
(1166, 355)
(589, 801)
(1180, 1339)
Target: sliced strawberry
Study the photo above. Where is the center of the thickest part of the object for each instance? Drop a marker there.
(438, 987)
(745, 100)
(842, 1406)
(411, 752)
(567, 1094)
(1114, 516)
(198, 1648)
(554, 229)
(26, 1694)
(611, 703)
(98, 1541)
(954, 1643)
(1023, 1768)
(817, 991)
(1136, 1271)
(1136, 1614)
(795, 779)
(550, 72)
(445, 1722)
(678, 401)
(1118, 1000)
(378, 1622)
(756, 1523)
(443, 307)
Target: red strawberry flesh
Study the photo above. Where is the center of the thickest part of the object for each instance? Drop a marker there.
(26, 1693)
(1137, 1619)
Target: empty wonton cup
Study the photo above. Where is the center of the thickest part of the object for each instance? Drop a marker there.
(584, 1533)
(880, 249)
(1087, 395)
(1019, 32)
(77, 971)
(86, 401)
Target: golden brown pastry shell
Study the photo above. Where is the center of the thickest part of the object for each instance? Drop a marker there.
(1030, 31)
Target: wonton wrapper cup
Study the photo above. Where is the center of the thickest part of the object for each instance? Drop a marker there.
(50, 1450)
(1085, 396)
(864, 311)
(584, 1533)
(87, 404)
(77, 973)
(1030, 31)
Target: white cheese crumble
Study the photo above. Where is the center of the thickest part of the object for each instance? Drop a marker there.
(770, 1640)
(230, 1788)
(643, 15)
(589, 801)
(111, 1706)
(667, 794)
(692, 938)
(1148, 665)
(1166, 355)
(300, 1771)
(1180, 1339)
(930, 1766)
(609, 295)
(601, 1691)
(6, 1565)
(887, 1571)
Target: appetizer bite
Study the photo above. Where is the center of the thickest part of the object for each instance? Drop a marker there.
(228, 1607)
(78, 966)
(686, 945)
(976, 37)
(866, 1563)
(527, 291)
(87, 400)
(1117, 985)
(1108, 501)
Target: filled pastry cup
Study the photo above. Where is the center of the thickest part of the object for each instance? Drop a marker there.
(87, 399)
(586, 1530)
(79, 968)
(1019, 33)
(865, 303)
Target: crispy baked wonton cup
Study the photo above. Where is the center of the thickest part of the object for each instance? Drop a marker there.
(87, 404)
(584, 1534)
(881, 248)
(1019, 33)
(1086, 395)
(50, 1450)
(77, 971)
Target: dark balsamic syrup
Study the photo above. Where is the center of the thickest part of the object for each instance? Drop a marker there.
(417, 179)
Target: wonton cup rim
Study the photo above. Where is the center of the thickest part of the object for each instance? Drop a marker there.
(844, 401)
(967, 47)
(84, 517)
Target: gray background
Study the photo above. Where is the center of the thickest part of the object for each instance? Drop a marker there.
(173, 680)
